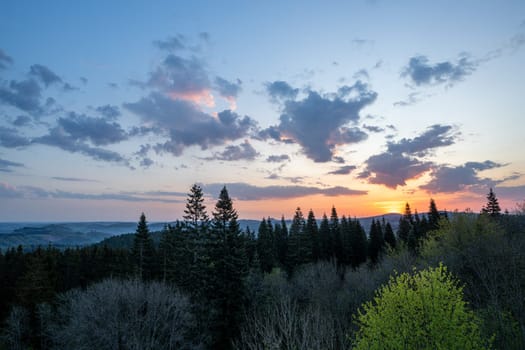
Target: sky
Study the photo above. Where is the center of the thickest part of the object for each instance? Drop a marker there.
(113, 108)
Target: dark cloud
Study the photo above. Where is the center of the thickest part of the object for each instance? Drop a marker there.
(8, 191)
(68, 87)
(24, 95)
(393, 169)
(244, 191)
(83, 80)
(146, 162)
(173, 43)
(402, 160)
(180, 76)
(46, 75)
(337, 159)
(5, 60)
(72, 179)
(435, 136)
(98, 130)
(278, 158)
(281, 90)
(244, 151)
(10, 138)
(185, 125)
(58, 137)
(344, 170)
(361, 74)
(421, 72)
(108, 111)
(318, 122)
(22, 120)
(372, 128)
(6, 165)
(226, 88)
(446, 179)
(144, 150)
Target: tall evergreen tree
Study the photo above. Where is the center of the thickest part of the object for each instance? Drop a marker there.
(312, 232)
(229, 268)
(281, 241)
(299, 251)
(335, 235)
(390, 238)
(265, 246)
(375, 242)
(345, 228)
(405, 224)
(195, 215)
(492, 207)
(358, 242)
(433, 216)
(324, 239)
(143, 251)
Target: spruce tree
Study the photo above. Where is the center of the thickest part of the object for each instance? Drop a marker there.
(143, 251)
(312, 232)
(358, 243)
(492, 207)
(405, 224)
(229, 268)
(324, 239)
(281, 241)
(335, 236)
(298, 251)
(390, 238)
(375, 242)
(265, 247)
(195, 215)
(433, 216)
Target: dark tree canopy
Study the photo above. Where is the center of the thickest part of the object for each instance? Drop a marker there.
(492, 207)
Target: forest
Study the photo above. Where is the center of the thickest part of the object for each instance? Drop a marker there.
(439, 280)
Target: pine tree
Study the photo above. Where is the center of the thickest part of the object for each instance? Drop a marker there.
(345, 240)
(390, 238)
(492, 207)
(405, 224)
(335, 236)
(358, 243)
(229, 268)
(299, 251)
(312, 232)
(281, 241)
(375, 242)
(324, 239)
(195, 213)
(433, 216)
(143, 251)
(265, 246)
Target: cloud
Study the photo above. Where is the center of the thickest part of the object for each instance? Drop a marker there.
(72, 179)
(446, 179)
(421, 72)
(186, 125)
(318, 122)
(98, 130)
(402, 160)
(361, 74)
(244, 191)
(244, 151)
(10, 138)
(372, 128)
(174, 43)
(146, 162)
(46, 75)
(108, 111)
(58, 137)
(22, 120)
(182, 78)
(228, 90)
(8, 191)
(278, 158)
(393, 169)
(435, 136)
(413, 98)
(281, 90)
(344, 170)
(24, 95)
(6, 165)
(5, 60)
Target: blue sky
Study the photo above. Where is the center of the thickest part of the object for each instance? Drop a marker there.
(108, 109)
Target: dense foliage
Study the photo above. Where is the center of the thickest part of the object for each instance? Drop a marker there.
(286, 286)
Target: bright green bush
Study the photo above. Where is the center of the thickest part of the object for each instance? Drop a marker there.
(423, 310)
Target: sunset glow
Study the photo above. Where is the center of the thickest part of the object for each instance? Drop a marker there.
(114, 108)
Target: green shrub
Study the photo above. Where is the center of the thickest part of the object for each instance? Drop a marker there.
(423, 310)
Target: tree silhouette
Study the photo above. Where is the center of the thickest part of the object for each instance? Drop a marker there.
(492, 207)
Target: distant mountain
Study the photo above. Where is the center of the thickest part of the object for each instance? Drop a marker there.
(114, 234)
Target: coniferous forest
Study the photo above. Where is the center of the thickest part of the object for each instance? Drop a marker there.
(438, 280)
